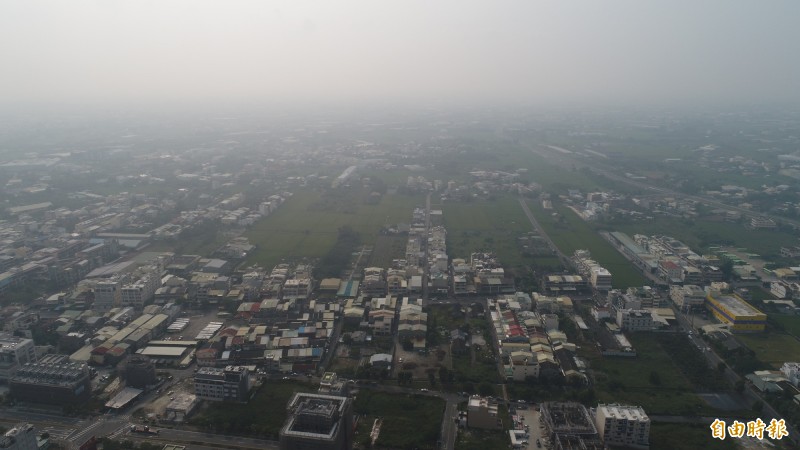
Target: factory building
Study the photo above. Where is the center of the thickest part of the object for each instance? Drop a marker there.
(732, 310)
(52, 380)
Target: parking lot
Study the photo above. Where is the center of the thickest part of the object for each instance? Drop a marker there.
(530, 418)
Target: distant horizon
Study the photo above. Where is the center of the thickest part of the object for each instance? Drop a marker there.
(88, 53)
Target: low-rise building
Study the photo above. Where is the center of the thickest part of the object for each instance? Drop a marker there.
(739, 315)
(14, 353)
(482, 413)
(634, 320)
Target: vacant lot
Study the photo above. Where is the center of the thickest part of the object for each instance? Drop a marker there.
(772, 348)
(790, 323)
(249, 419)
(409, 421)
(388, 248)
(630, 380)
(669, 436)
(569, 232)
(306, 225)
(486, 226)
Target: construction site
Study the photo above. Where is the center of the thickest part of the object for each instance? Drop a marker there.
(569, 426)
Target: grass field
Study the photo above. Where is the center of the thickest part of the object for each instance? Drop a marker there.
(790, 323)
(700, 234)
(571, 233)
(670, 436)
(249, 419)
(306, 225)
(772, 348)
(626, 380)
(486, 225)
(386, 249)
(409, 421)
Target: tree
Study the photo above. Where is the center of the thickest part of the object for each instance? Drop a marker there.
(444, 375)
(739, 386)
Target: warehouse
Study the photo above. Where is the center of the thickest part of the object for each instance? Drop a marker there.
(732, 310)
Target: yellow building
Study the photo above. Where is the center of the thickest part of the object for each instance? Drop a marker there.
(734, 311)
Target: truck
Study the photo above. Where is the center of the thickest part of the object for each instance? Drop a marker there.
(143, 429)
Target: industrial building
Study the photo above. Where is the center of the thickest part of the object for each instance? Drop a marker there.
(231, 384)
(620, 425)
(139, 371)
(52, 380)
(319, 422)
(739, 315)
(569, 425)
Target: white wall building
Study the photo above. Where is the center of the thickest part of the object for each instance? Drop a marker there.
(635, 320)
(792, 372)
(623, 425)
(14, 352)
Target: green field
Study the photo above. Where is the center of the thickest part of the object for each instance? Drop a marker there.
(249, 419)
(388, 248)
(306, 225)
(772, 348)
(789, 323)
(700, 234)
(409, 421)
(670, 436)
(569, 232)
(486, 226)
(627, 380)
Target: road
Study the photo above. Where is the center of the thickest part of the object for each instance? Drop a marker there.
(565, 261)
(425, 268)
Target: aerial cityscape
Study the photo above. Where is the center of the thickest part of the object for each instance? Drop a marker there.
(233, 261)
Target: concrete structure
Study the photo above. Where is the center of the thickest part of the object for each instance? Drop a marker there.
(52, 380)
(739, 315)
(20, 437)
(792, 372)
(634, 320)
(318, 422)
(687, 296)
(623, 425)
(231, 384)
(14, 353)
(482, 413)
(139, 371)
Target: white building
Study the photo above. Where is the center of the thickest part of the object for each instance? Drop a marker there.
(140, 292)
(21, 437)
(14, 352)
(601, 278)
(635, 320)
(688, 296)
(107, 295)
(792, 372)
(623, 425)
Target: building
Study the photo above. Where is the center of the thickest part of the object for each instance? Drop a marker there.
(635, 320)
(14, 352)
(141, 291)
(107, 295)
(482, 413)
(231, 384)
(139, 371)
(319, 422)
(601, 279)
(52, 380)
(20, 437)
(792, 372)
(623, 425)
(688, 296)
(739, 315)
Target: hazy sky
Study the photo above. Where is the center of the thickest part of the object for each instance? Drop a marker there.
(530, 51)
